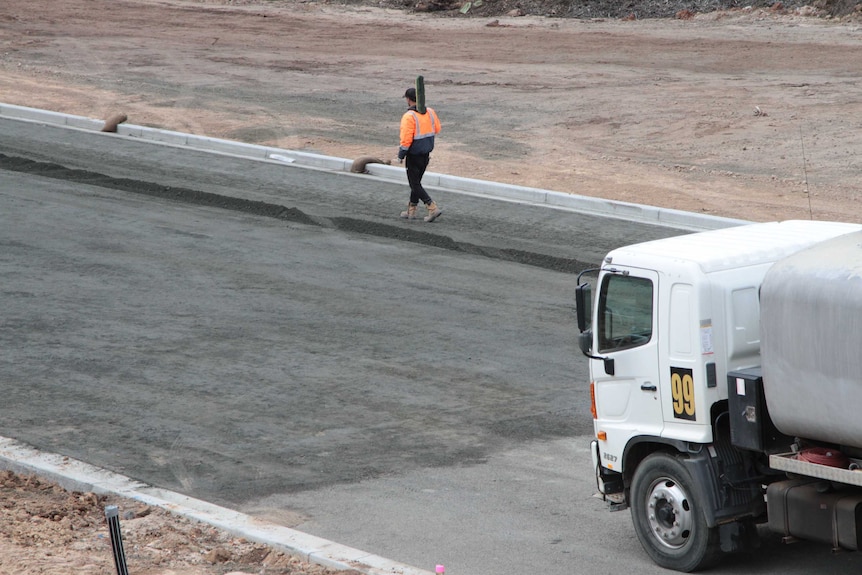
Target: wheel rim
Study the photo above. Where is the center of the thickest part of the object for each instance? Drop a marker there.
(669, 513)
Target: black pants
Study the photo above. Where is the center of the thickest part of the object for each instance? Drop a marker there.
(416, 165)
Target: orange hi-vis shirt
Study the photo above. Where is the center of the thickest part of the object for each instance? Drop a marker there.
(418, 131)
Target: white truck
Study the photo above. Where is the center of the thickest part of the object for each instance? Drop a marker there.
(726, 387)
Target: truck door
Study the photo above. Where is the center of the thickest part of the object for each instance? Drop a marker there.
(628, 402)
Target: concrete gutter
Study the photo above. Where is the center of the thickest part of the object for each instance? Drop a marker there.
(74, 475)
(505, 192)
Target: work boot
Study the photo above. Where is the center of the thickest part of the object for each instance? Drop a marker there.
(410, 214)
(433, 212)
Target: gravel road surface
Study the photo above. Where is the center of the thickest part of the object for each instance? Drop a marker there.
(273, 339)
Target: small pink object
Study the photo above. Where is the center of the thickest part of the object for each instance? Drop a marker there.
(440, 569)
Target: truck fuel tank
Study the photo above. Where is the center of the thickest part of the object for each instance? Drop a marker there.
(814, 510)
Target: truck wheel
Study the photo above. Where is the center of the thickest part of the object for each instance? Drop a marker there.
(668, 520)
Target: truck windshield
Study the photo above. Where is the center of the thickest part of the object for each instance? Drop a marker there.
(625, 312)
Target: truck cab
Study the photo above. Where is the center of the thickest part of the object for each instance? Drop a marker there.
(663, 324)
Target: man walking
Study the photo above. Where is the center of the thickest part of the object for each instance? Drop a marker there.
(417, 142)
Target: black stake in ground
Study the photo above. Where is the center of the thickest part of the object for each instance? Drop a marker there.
(112, 513)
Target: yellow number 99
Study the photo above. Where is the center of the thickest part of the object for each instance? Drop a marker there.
(682, 392)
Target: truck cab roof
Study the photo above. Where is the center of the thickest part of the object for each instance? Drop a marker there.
(736, 246)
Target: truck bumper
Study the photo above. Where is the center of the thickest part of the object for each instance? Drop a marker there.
(608, 483)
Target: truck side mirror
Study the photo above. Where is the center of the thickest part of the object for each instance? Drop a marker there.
(610, 368)
(585, 342)
(583, 299)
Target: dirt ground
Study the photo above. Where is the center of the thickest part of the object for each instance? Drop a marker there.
(47, 530)
(746, 113)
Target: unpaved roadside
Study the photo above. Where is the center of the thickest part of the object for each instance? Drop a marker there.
(750, 113)
(48, 530)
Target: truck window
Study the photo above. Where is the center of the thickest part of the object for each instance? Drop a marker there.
(625, 312)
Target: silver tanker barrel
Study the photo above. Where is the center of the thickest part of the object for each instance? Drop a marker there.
(811, 341)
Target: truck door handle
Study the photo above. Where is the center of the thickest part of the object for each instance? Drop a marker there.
(648, 387)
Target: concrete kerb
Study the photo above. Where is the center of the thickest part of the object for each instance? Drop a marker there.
(75, 475)
(506, 192)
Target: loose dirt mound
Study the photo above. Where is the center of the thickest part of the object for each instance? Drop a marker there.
(47, 530)
(625, 9)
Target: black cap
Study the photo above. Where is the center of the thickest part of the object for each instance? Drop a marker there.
(410, 93)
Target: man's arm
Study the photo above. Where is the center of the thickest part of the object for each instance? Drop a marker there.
(408, 130)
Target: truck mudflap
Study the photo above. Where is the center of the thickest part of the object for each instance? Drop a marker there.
(728, 504)
(724, 485)
(816, 510)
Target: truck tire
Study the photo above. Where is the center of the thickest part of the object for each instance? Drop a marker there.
(668, 519)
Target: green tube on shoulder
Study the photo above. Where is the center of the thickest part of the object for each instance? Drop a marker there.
(420, 94)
